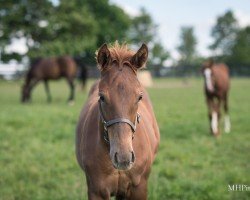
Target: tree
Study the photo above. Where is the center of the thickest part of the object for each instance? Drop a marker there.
(187, 47)
(22, 19)
(224, 33)
(70, 33)
(76, 27)
(159, 54)
(113, 22)
(143, 29)
(241, 48)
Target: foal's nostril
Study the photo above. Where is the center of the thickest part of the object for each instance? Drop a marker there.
(116, 159)
(133, 157)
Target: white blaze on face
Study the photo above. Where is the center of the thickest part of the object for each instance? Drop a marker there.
(208, 79)
(214, 122)
(227, 125)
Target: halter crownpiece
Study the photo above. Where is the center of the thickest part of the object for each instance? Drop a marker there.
(111, 122)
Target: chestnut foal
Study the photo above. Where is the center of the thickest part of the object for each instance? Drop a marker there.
(216, 91)
(117, 133)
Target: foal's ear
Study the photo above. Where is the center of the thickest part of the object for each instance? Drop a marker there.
(103, 56)
(140, 58)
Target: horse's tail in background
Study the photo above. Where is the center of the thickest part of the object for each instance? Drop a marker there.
(82, 73)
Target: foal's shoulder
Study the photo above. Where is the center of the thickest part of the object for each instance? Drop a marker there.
(223, 67)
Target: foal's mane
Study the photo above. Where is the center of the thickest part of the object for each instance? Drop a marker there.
(119, 52)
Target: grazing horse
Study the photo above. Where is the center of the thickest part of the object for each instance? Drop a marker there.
(45, 69)
(216, 91)
(117, 134)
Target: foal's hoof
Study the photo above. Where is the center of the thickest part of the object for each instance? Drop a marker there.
(227, 129)
(71, 103)
(216, 134)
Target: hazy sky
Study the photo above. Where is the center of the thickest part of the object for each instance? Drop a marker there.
(171, 15)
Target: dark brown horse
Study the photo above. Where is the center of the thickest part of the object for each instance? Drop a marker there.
(50, 69)
(117, 133)
(216, 91)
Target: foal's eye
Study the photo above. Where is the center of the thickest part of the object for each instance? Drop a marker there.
(102, 99)
(140, 98)
(114, 62)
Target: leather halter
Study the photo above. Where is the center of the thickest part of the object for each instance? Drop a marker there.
(111, 122)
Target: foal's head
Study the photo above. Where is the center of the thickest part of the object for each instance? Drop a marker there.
(120, 94)
(208, 75)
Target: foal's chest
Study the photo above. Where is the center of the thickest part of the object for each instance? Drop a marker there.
(125, 182)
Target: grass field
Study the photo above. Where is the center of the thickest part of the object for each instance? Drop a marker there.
(37, 160)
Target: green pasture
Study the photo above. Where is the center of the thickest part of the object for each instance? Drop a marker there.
(37, 159)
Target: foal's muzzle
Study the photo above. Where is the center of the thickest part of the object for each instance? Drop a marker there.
(123, 161)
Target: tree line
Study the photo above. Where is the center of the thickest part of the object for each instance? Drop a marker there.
(231, 43)
(76, 28)
(79, 27)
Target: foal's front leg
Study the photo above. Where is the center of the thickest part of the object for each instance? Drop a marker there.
(93, 196)
(216, 116)
(213, 116)
(139, 192)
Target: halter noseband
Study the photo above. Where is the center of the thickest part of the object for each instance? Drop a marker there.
(111, 122)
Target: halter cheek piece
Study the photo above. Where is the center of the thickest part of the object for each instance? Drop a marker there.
(111, 122)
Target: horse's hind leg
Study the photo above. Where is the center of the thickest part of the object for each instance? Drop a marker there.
(227, 124)
(46, 85)
(72, 91)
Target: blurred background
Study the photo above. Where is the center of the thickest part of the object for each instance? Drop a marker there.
(180, 35)
(37, 158)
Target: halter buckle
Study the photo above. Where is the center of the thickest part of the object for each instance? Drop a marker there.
(138, 118)
(105, 136)
(105, 125)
